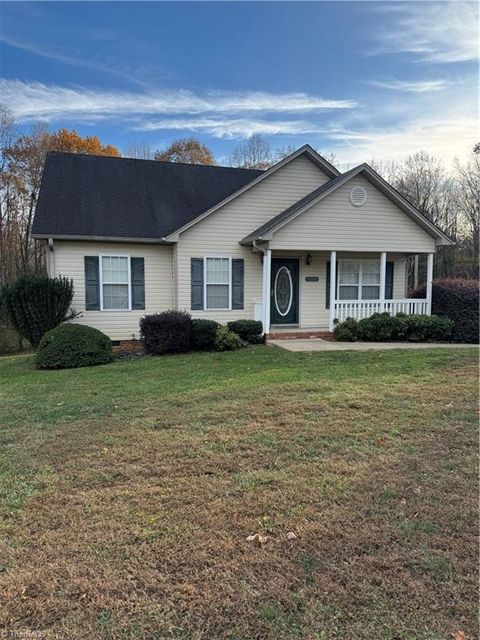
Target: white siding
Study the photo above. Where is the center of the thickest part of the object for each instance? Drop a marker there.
(335, 224)
(220, 233)
(119, 325)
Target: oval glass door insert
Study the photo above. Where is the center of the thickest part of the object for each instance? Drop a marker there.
(283, 291)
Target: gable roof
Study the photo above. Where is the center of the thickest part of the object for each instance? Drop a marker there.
(265, 231)
(306, 151)
(98, 197)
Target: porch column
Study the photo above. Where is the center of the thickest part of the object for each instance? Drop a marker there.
(267, 269)
(415, 271)
(333, 282)
(429, 283)
(383, 277)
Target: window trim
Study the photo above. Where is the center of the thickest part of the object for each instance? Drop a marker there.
(360, 284)
(229, 284)
(129, 283)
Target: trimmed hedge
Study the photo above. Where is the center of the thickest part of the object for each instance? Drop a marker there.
(381, 327)
(457, 299)
(248, 330)
(204, 334)
(227, 340)
(73, 345)
(167, 332)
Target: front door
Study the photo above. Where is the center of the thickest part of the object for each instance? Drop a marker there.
(284, 291)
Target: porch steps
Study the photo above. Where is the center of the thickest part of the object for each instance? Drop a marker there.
(301, 334)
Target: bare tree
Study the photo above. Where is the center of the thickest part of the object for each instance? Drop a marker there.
(283, 152)
(8, 234)
(254, 153)
(390, 170)
(468, 200)
(139, 149)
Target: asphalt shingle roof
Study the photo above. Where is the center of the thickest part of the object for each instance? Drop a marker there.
(101, 196)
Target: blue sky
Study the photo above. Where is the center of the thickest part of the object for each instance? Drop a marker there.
(364, 80)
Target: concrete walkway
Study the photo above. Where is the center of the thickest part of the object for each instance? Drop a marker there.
(317, 344)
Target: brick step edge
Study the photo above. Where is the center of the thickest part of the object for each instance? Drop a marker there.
(128, 346)
(300, 335)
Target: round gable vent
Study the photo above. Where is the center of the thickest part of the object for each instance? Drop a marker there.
(358, 196)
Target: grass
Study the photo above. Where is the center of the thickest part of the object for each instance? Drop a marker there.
(127, 493)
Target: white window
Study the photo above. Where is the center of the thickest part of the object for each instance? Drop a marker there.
(358, 280)
(218, 278)
(115, 283)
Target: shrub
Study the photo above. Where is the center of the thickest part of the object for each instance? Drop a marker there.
(35, 304)
(346, 331)
(381, 327)
(457, 299)
(248, 330)
(426, 328)
(167, 332)
(227, 340)
(73, 345)
(204, 333)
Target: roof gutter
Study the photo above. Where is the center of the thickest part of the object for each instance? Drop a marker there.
(42, 236)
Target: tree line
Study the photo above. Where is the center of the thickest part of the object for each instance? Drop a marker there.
(450, 199)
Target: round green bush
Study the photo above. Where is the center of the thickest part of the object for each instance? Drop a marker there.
(204, 333)
(379, 327)
(346, 331)
(73, 345)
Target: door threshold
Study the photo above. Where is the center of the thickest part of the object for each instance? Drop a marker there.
(285, 326)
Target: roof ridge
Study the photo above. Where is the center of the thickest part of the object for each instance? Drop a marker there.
(164, 162)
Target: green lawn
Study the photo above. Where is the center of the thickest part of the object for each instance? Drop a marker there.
(128, 492)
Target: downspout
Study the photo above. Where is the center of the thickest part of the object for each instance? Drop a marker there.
(51, 258)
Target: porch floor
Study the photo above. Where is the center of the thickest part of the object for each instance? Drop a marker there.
(317, 344)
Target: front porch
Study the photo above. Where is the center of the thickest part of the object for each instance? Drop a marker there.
(304, 295)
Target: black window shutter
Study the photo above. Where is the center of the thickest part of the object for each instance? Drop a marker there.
(137, 271)
(196, 272)
(389, 281)
(237, 283)
(92, 283)
(327, 285)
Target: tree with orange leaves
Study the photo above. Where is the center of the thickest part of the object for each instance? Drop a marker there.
(187, 150)
(22, 159)
(72, 142)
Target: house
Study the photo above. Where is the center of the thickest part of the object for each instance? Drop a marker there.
(298, 246)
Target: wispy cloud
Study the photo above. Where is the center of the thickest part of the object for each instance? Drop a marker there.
(220, 113)
(110, 66)
(436, 32)
(232, 127)
(414, 86)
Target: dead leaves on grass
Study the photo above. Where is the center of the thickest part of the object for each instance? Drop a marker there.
(262, 539)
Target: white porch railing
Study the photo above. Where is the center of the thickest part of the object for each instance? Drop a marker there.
(359, 309)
